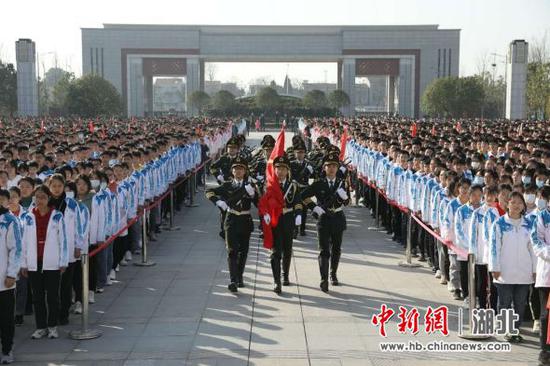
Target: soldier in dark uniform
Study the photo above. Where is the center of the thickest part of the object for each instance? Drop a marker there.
(221, 169)
(301, 170)
(332, 195)
(260, 163)
(283, 232)
(235, 198)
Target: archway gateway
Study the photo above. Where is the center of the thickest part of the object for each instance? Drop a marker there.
(407, 57)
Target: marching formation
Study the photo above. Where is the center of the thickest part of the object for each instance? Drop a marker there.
(283, 185)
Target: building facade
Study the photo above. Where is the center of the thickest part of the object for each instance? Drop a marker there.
(409, 57)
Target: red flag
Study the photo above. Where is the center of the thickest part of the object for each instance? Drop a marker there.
(42, 127)
(343, 142)
(413, 129)
(272, 201)
(91, 127)
(458, 126)
(433, 130)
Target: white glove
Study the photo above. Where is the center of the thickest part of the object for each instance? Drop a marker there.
(310, 168)
(249, 190)
(343, 169)
(260, 177)
(220, 178)
(221, 204)
(318, 210)
(267, 219)
(298, 220)
(342, 193)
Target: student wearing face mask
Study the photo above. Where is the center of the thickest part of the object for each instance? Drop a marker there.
(540, 239)
(541, 177)
(64, 202)
(527, 177)
(512, 260)
(101, 216)
(84, 198)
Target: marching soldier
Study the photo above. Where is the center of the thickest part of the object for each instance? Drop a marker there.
(235, 197)
(332, 195)
(283, 232)
(221, 169)
(301, 170)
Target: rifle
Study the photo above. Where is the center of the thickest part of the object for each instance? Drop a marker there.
(329, 202)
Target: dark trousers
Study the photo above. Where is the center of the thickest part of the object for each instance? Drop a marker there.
(66, 290)
(482, 277)
(120, 246)
(464, 277)
(21, 292)
(45, 296)
(77, 281)
(493, 294)
(330, 230)
(237, 239)
(92, 270)
(7, 319)
(282, 246)
(543, 296)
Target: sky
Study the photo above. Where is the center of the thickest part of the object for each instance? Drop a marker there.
(487, 26)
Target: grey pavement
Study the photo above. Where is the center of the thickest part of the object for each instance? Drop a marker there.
(179, 312)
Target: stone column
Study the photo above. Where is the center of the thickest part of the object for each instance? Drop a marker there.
(193, 82)
(516, 80)
(406, 87)
(149, 106)
(136, 100)
(348, 85)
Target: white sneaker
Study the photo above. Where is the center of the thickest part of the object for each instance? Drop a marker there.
(128, 256)
(123, 263)
(77, 307)
(7, 358)
(112, 275)
(443, 280)
(52, 333)
(99, 290)
(39, 333)
(109, 282)
(536, 326)
(117, 269)
(91, 297)
(438, 274)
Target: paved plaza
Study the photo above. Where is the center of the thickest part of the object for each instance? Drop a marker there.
(180, 312)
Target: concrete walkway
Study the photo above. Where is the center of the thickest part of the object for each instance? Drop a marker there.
(180, 312)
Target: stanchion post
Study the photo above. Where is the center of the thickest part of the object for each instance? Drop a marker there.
(145, 262)
(408, 255)
(191, 186)
(470, 334)
(85, 332)
(172, 212)
(377, 212)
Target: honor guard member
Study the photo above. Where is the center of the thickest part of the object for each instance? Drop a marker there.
(221, 168)
(301, 171)
(260, 166)
(235, 197)
(284, 231)
(332, 195)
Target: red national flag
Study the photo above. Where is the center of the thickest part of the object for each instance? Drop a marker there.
(413, 129)
(91, 127)
(343, 142)
(272, 202)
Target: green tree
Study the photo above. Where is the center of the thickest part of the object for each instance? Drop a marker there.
(454, 97)
(338, 99)
(199, 100)
(223, 101)
(8, 89)
(91, 96)
(267, 98)
(538, 88)
(315, 100)
(60, 91)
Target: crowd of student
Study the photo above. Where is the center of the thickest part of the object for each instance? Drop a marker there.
(481, 186)
(68, 185)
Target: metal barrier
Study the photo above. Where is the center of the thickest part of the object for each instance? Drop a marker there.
(85, 332)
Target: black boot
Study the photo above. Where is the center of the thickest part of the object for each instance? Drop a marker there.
(276, 269)
(334, 261)
(241, 264)
(286, 270)
(323, 269)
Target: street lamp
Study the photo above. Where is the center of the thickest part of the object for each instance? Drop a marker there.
(494, 65)
(38, 75)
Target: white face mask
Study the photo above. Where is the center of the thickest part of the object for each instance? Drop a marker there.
(478, 180)
(103, 185)
(69, 194)
(95, 183)
(475, 164)
(529, 198)
(541, 204)
(540, 183)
